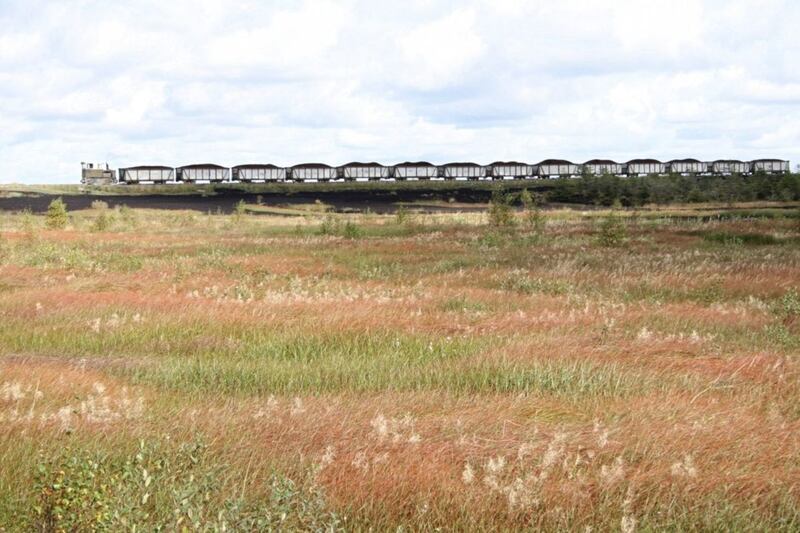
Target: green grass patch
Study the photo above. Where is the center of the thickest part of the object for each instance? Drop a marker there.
(741, 239)
(524, 284)
(460, 304)
(364, 372)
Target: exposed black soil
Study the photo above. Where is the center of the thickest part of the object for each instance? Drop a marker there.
(376, 201)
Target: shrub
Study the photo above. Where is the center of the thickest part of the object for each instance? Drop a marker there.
(501, 213)
(401, 216)
(57, 216)
(492, 239)
(240, 209)
(163, 487)
(99, 204)
(533, 215)
(612, 230)
(789, 307)
(28, 221)
(526, 198)
(72, 495)
(329, 226)
(102, 222)
(127, 215)
(351, 230)
(636, 219)
(333, 226)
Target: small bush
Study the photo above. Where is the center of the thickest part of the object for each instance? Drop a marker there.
(612, 230)
(707, 293)
(99, 205)
(492, 239)
(57, 216)
(28, 222)
(163, 487)
(103, 222)
(501, 213)
(781, 335)
(636, 219)
(127, 215)
(351, 230)
(333, 226)
(330, 226)
(788, 308)
(533, 215)
(401, 216)
(240, 209)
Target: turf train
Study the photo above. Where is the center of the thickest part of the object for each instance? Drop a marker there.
(549, 168)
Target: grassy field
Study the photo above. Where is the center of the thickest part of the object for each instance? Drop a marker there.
(605, 190)
(286, 188)
(554, 369)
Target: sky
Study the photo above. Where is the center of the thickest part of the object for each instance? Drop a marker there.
(188, 81)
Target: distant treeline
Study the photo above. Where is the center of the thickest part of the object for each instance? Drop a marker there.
(635, 191)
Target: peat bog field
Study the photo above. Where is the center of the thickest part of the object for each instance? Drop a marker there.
(498, 369)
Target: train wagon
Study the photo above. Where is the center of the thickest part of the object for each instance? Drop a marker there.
(313, 171)
(256, 172)
(421, 170)
(147, 173)
(597, 167)
(730, 166)
(471, 171)
(687, 166)
(203, 172)
(558, 167)
(770, 166)
(634, 167)
(511, 169)
(371, 171)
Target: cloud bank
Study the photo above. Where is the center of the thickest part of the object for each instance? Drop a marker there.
(179, 81)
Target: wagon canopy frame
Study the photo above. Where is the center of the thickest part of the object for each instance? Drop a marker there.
(210, 172)
(358, 170)
(152, 173)
(258, 172)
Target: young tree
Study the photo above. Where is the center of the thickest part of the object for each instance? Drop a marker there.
(501, 213)
(533, 215)
(240, 209)
(612, 230)
(57, 216)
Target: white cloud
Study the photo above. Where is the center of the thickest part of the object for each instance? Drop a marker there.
(288, 38)
(665, 27)
(177, 81)
(18, 47)
(133, 102)
(439, 53)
